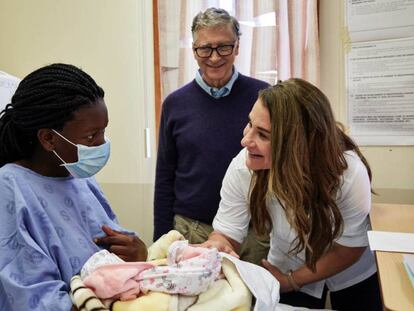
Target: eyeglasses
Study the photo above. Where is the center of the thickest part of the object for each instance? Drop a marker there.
(222, 50)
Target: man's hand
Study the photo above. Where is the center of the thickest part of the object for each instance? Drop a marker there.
(127, 247)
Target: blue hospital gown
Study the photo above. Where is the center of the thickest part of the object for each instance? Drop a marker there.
(47, 226)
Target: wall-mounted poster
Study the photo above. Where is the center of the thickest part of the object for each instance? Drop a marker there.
(380, 71)
(379, 19)
(380, 92)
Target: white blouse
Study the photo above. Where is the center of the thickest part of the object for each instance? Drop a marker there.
(354, 203)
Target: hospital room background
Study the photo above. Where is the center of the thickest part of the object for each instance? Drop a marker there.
(113, 41)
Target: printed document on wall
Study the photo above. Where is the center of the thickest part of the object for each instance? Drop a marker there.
(8, 85)
(379, 19)
(380, 92)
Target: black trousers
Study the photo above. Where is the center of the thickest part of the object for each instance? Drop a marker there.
(362, 296)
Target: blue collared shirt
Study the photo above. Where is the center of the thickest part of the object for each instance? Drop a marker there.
(215, 92)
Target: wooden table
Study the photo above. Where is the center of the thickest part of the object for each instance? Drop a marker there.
(396, 289)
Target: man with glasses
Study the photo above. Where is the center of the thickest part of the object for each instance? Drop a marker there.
(200, 132)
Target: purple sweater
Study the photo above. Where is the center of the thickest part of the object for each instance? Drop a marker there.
(199, 136)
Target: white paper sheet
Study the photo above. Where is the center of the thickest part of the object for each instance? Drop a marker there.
(380, 90)
(391, 241)
(379, 19)
(8, 85)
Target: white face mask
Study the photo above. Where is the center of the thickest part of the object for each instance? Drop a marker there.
(90, 159)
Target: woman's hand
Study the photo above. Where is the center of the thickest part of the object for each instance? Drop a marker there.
(337, 259)
(127, 247)
(285, 286)
(221, 247)
(222, 243)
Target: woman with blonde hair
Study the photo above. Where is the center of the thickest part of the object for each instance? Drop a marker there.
(304, 182)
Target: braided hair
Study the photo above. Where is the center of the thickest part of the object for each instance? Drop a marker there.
(46, 98)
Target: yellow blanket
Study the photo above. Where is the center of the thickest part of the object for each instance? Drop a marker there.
(227, 294)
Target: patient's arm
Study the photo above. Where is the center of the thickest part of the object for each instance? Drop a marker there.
(127, 247)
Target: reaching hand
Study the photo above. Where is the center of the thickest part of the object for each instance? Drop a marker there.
(127, 247)
(282, 278)
(221, 246)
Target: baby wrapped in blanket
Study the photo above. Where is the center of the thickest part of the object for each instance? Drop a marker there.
(228, 293)
(189, 271)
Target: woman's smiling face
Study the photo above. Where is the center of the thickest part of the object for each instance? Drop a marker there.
(257, 138)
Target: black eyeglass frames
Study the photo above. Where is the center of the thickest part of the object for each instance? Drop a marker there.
(222, 50)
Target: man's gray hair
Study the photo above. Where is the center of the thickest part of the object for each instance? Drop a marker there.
(212, 18)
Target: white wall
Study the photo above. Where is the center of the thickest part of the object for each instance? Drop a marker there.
(393, 167)
(112, 41)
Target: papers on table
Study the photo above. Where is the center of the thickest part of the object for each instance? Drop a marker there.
(391, 241)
